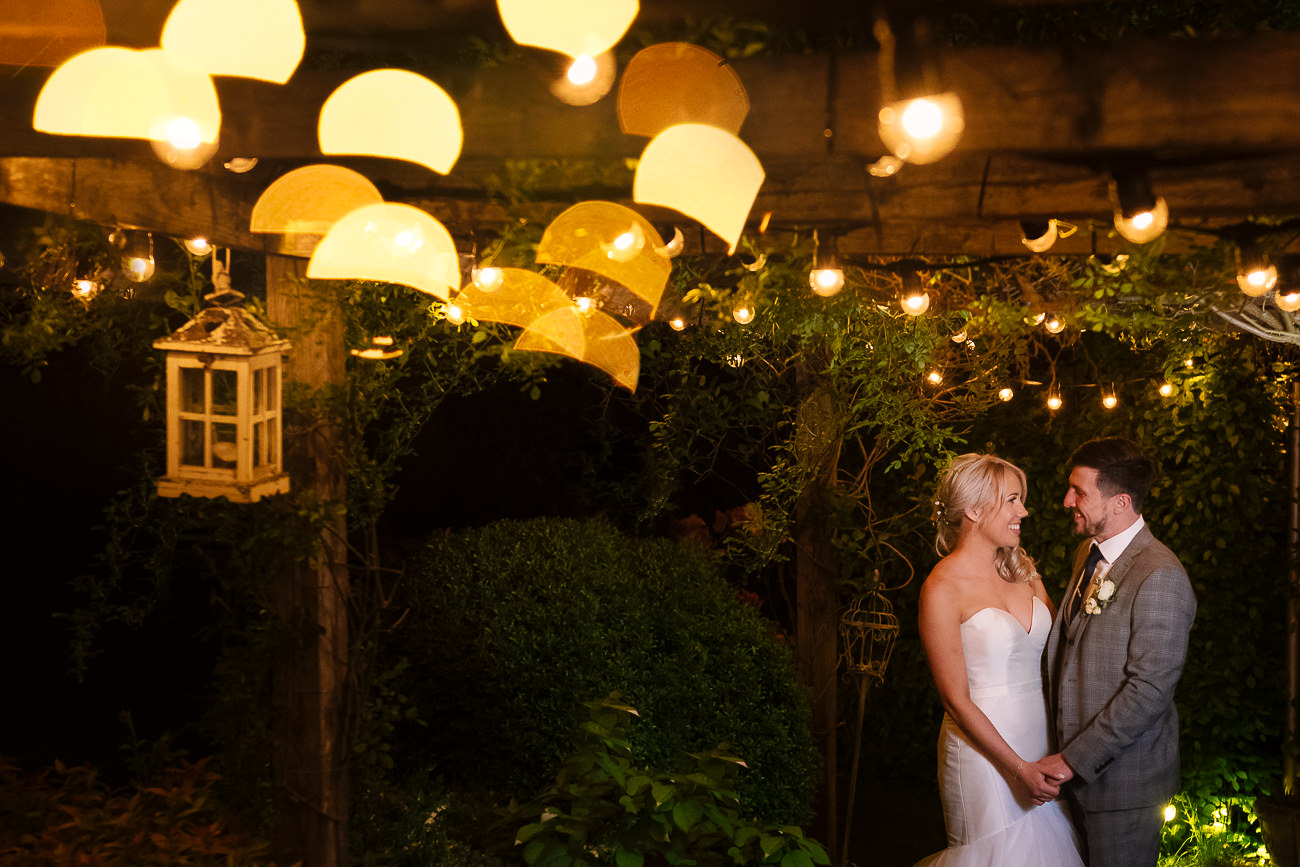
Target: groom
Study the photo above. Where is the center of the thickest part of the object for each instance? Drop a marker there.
(1113, 658)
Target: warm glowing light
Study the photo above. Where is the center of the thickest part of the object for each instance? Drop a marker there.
(84, 290)
(586, 80)
(1145, 226)
(1109, 400)
(1288, 301)
(743, 313)
(916, 303)
(1006, 393)
(885, 167)
(959, 337)
(674, 246)
(922, 130)
(1166, 389)
(260, 39)
(736, 360)
(1170, 812)
(1258, 281)
(1054, 402)
(596, 339)
(584, 304)
(611, 240)
(582, 70)
(572, 27)
(454, 314)
(488, 278)
(826, 281)
(311, 199)
(1189, 362)
(705, 173)
(1054, 325)
(677, 323)
(676, 82)
(934, 377)
(197, 246)
(392, 113)
(391, 243)
(138, 268)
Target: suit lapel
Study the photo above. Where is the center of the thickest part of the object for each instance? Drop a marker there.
(1118, 570)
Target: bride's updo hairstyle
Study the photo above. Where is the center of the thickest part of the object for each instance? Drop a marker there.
(979, 482)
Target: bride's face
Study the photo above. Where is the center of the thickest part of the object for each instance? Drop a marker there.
(1001, 522)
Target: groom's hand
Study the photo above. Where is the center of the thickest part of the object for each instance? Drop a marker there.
(1056, 766)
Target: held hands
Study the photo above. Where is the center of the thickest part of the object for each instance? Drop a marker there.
(1042, 779)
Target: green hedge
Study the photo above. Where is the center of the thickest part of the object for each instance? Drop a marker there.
(512, 627)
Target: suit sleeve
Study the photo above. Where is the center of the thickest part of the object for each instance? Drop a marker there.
(1161, 616)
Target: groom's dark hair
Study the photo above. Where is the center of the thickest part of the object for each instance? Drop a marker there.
(1122, 467)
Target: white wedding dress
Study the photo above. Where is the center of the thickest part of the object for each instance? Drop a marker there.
(988, 824)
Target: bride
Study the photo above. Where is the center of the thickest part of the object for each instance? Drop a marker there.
(984, 618)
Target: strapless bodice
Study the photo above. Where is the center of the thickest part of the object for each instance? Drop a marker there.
(1001, 657)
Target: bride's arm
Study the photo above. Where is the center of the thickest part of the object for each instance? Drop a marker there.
(940, 627)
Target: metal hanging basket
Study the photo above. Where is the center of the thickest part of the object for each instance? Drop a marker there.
(868, 629)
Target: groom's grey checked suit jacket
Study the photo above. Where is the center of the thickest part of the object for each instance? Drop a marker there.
(1111, 679)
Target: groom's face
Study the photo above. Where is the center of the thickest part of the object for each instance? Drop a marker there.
(1090, 507)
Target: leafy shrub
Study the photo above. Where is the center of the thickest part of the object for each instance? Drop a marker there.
(66, 815)
(512, 627)
(604, 805)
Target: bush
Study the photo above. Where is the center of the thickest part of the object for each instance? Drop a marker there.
(514, 626)
(66, 815)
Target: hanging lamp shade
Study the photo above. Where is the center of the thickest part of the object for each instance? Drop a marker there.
(48, 32)
(572, 27)
(677, 82)
(224, 432)
(390, 243)
(520, 299)
(260, 39)
(123, 93)
(592, 337)
(610, 240)
(392, 113)
(703, 172)
(311, 199)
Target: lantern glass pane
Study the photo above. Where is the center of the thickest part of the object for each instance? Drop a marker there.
(273, 439)
(192, 442)
(225, 392)
(224, 450)
(259, 380)
(259, 442)
(272, 389)
(191, 389)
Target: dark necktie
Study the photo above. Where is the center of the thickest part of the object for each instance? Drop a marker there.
(1089, 566)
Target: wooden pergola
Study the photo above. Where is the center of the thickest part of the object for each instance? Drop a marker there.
(1215, 123)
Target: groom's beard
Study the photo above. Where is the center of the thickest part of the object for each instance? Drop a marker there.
(1085, 527)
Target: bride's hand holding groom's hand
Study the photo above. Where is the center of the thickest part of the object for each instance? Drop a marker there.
(1039, 780)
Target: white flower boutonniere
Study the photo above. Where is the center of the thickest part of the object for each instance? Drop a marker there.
(1101, 591)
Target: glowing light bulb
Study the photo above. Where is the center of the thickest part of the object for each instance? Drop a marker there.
(1054, 325)
(582, 71)
(84, 290)
(1288, 301)
(198, 246)
(736, 360)
(138, 268)
(454, 313)
(584, 304)
(488, 279)
(1006, 393)
(1054, 402)
(826, 281)
(1170, 812)
(916, 303)
(1109, 400)
(677, 323)
(1166, 389)
(1258, 281)
(959, 337)
(934, 377)
(885, 166)
(183, 134)
(743, 313)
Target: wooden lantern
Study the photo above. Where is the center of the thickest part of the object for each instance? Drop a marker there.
(223, 408)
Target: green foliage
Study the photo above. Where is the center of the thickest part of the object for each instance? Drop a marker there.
(607, 806)
(1221, 832)
(416, 822)
(66, 815)
(511, 626)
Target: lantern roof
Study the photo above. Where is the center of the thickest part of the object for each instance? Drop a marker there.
(225, 331)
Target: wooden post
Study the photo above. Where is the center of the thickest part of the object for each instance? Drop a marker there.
(817, 442)
(310, 752)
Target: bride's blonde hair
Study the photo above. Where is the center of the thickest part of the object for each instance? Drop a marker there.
(975, 481)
